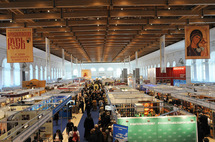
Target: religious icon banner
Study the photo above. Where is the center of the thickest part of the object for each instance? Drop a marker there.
(197, 42)
(19, 45)
(86, 73)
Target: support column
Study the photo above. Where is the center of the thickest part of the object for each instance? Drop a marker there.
(1, 83)
(129, 61)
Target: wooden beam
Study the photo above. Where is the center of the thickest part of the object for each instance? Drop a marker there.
(27, 4)
(139, 3)
(81, 3)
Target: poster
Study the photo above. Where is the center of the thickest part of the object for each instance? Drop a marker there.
(19, 45)
(86, 73)
(162, 55)
(120, 133)
(197, 42)
(161, 129)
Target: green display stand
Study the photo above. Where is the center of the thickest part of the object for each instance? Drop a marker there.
(161, 129)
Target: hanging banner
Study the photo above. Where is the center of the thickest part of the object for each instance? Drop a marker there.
(19, 45)
(63, 67)
(71, 67)
(48, 64)
(162, 55)
(86, 73)
(197, 42)
(120, 133)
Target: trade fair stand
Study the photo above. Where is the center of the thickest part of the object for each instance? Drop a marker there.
(37, 118)
(147, 119)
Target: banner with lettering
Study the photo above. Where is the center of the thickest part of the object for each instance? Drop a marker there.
(120, 133)
(19, 45)
(161, 129)
(162, 55)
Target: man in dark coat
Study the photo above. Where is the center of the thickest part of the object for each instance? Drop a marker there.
(81, 105)
(69, 126)
(88, 107)
(88, 125)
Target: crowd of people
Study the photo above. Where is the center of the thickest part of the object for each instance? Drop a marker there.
(91, 98)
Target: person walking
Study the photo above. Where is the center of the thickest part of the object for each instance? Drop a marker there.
(74, 136)
(88, 125)
(58, 137)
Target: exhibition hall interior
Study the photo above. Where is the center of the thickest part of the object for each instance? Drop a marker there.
(107, 71)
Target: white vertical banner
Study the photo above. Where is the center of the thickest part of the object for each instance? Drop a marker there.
(136, 57)
(63, 67)
(129, 60)
(48, 64)
(71, 67)
(162, 55)
(76, 62)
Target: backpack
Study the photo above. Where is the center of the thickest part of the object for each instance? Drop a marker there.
(75, 137)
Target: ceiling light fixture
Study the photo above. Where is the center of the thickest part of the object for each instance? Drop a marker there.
(118, 18)
(48, 10)
(151, 24)
(98, 25)
(55, 19)
(169, 8)
(116, 24)
(121, 8)
(145, 29)
(97, 18)
(61, 26)
(114, 30)
(98, 30)
(11, 21)
(159, 17)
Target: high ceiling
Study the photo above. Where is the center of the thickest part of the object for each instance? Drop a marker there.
(105, 30)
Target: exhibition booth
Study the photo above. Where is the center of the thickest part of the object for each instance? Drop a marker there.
(173, 76)
(37, 117)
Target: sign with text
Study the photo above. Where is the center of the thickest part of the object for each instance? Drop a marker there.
(19, 45)
(120, 133)
(162, 55)
(161, 129)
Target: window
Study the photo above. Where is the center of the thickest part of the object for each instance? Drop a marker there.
(45, 73)
(174, 64)
(212, 67)
(118, 72)
(155, 66)
(168, 64)
(16, 74)
(199, 69)
(36, 72)
(93, 69)
(52, 73)
(110, 69)
(101, 69)
(158, 65)
(31, 72)
(75, 72)
(6, 73)
(41, 73)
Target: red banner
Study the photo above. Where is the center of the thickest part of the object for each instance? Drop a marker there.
(19, 45)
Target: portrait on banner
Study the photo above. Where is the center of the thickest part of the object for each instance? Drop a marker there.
(197, 42)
